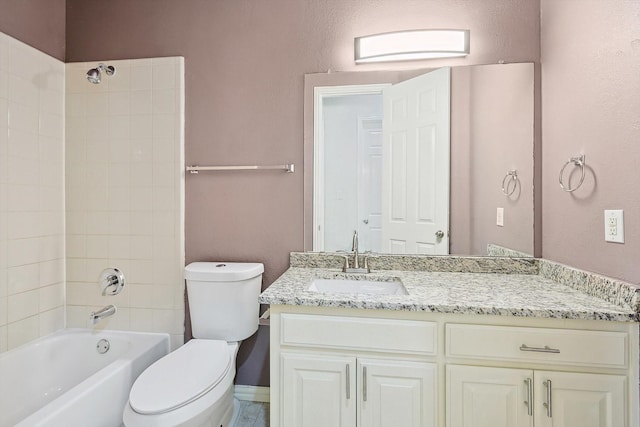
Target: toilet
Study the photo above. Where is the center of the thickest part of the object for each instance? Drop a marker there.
(193, 385)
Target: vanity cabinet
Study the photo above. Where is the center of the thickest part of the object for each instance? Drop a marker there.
(574, 394)
(348, 367)
(501, 397)
(326, 390)
(353, 371)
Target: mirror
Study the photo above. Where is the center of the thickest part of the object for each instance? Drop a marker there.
(490, 169)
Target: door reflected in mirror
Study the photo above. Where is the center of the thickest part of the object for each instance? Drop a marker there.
(426, 187)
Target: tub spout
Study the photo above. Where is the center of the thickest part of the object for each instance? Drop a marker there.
(107, 311)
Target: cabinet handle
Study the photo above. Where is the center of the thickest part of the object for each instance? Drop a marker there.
(528, 402)
(547, 404)
(364, 383)
(348, 382)
(545, 349)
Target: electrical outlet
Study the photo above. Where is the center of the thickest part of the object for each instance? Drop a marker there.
(500, 217)
(614, 226)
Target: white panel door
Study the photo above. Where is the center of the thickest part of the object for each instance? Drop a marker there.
(489, 397)
(397, 394)
(415, 177)
(369, 182)
(580, 400)
(319, 391)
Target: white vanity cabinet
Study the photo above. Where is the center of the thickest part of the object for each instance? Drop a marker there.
(502, 397)
(383, 368)
(354, 371)
(566, 385)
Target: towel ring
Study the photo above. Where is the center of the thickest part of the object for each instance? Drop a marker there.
(510, 177)
(577, 161)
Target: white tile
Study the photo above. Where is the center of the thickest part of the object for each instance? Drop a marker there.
(164, 101)
(23, 331)
(142, 127)
(22, 117)
(121, 81)
(23, 225)
(51, 247)
(23, 198)
(97, 128)
(119, 246)
(22, 91)
(119, 127)
(142, 175)
(51, 125)
(22, 251)
(140, 78)
(4, 346)
(3, 311)
(119, 103)
(52, 272)
(141, 199)
(22, 171)
(76, 222)
(140, 272)
(78, 316)
(52, 101)
(97, 104)
(23, 305)
(119, 175)
(75, 129)
(23, 278)
(96, 176)
(119, 150)
(76, 105)
(22, 144)
(140, 295)
(141, 223)
(164, 74)
(163, 296)
(76, 269)
(52, 221)
(52, 296)
(142, 150)
(141, 102)
(141, 247)
(97, 246)
(79, 293)
(97, 151)
(164, 150)
(51, 321)
(97, 222)
(95, 198)
(176, 340)
(164, 223)
(119, 223)
(141, 319)
(75, 77)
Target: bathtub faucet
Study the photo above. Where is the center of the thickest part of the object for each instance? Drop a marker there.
(107, 311)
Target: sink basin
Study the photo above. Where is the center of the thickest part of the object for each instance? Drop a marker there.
(358, 286)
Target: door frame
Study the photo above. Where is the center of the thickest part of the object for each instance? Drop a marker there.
(320, 93)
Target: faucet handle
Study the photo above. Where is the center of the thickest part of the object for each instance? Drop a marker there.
(345, 267)
(111, 281)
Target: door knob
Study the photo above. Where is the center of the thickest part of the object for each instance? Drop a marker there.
(366, 221)
(439, 234)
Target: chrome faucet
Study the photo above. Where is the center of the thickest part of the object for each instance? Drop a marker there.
(355, 268)
(107, 311)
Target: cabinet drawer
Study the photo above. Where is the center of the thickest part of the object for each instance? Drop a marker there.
(562, 346)
(359, 333)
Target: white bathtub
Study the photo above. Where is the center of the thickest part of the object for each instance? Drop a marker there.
(62, 379)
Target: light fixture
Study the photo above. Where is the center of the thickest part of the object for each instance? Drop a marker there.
(411, 45)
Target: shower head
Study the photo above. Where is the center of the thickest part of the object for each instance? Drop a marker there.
(94, 75)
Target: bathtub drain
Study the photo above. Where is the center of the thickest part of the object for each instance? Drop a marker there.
(103, 346)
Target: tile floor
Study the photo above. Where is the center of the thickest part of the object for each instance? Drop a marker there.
(253, 414)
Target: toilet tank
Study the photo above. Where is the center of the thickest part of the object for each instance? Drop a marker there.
(223, 299)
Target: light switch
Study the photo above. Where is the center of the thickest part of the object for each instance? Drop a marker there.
(500, 217)
(614, 226)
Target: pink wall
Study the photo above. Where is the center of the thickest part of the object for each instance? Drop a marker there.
(590, 93)
(245, 61)
(38, 23)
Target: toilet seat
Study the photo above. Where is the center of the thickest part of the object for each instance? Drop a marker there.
(181, 377)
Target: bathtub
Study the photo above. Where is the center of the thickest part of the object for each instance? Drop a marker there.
(63, 380)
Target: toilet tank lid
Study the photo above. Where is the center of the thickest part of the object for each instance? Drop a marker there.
(222, 271)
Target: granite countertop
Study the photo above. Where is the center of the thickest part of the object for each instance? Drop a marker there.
(530, 294)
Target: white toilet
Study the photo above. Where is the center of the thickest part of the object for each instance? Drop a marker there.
(193, 386)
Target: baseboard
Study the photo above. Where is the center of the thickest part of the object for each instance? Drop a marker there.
(252, 393)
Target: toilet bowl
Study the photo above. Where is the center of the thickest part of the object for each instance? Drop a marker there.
(193, 385)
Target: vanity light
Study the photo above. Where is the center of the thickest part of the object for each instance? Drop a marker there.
(411, 45)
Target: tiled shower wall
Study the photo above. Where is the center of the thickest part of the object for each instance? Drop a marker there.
(124, 193)
(31, 193)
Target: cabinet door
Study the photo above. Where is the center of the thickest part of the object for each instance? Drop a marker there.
(397, 393)
(489, 397)
(318, 390)
(580, 400)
